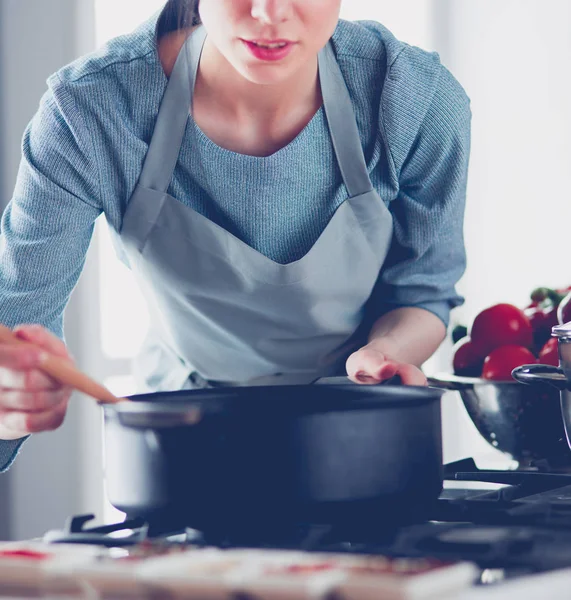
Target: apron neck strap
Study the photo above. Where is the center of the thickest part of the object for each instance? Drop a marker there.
(342, 124)
(172, 119)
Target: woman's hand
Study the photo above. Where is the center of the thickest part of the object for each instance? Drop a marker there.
(30, 400)
(371, 365)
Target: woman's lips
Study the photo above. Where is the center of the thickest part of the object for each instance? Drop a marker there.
(262, 50)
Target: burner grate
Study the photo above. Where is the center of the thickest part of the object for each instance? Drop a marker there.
(126, 533)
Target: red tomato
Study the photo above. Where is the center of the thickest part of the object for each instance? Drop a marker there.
(501, 325)
(549, 354)
(542, 320)
(538, 318)
(500, 363)
(467, 360)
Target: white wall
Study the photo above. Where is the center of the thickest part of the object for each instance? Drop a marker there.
(513, 57)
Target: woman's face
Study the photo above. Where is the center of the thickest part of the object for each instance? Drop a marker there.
(268, 41)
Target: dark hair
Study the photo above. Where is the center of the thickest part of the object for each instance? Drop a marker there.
(179, 14)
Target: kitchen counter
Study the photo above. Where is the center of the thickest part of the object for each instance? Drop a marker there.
(90, 572)
(41, 570)
(547, 585)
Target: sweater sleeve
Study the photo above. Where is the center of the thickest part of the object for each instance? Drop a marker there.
(8, 451)
(47, 226)
(427, 256)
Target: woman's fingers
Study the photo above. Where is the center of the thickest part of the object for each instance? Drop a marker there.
(40, 336)
(19, 358)
(377, 373)
(369, 366)
(17, 362)
(17, 369)
(27, 401)
(30, 400)
(31, 381)
(363, 363)
(34, 422)
(411, 375)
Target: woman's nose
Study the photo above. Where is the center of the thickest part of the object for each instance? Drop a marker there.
(271, 12)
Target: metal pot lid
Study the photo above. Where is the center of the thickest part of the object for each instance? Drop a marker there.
(562, 331)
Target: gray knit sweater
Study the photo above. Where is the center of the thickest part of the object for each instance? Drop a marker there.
(82, 154)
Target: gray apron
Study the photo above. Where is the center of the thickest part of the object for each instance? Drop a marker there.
(221, 312)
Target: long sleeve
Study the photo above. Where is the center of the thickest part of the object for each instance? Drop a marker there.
(8, 451)
(47, 226)
(427, 256)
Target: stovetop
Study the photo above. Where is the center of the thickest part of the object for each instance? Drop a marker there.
(518, 522)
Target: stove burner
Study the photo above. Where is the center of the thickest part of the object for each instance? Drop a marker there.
(127, 533)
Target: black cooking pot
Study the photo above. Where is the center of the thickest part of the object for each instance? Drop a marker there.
(257, 458)
(554, 377)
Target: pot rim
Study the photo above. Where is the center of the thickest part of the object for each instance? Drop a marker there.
(448, 381)
(286, 399)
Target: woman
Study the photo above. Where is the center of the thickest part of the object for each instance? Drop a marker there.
(304, 220)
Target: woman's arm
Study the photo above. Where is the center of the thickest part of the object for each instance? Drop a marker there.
(411, 334)
(416, 287)
(47, 226)
(44, 236)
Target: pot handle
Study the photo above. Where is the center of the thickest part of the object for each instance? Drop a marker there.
(534, 374)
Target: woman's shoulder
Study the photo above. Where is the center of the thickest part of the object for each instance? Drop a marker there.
(117, 70)
(101, 109)
(402, 83)
(372, 58)
(404, 65)
(403, 71)
(372, 41)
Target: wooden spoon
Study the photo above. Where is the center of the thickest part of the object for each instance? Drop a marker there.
(63, 371)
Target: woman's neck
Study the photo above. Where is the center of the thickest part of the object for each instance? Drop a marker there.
(219, 82)
(239, 115)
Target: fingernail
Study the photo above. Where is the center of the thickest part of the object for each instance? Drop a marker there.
(42, 356)
(21, 334)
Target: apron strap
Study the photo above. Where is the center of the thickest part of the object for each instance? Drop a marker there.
(172, 119)
(170, 125)
(342, 124)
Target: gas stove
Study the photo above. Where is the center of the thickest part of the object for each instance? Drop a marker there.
(510, 523)
(494, 534)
